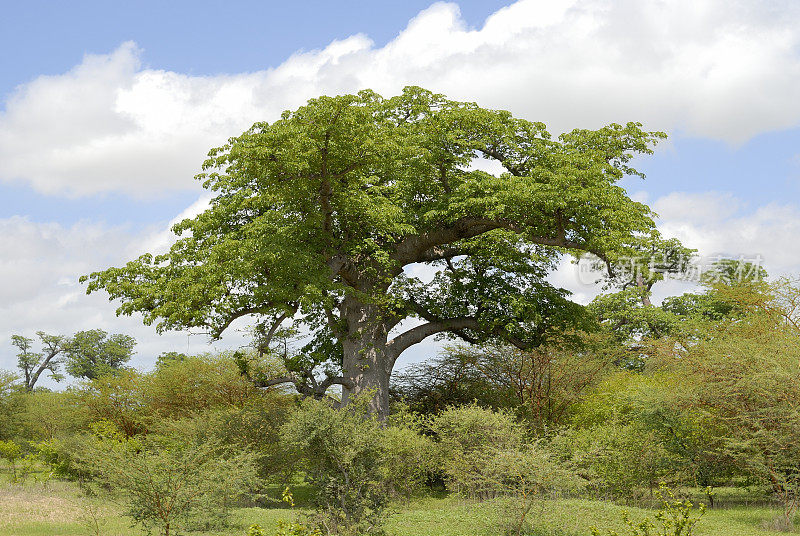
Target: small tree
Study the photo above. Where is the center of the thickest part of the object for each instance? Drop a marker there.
(525, 476)
(11, 452)
(93, 353)
(171, 485)
(341, 451)
(33, 364)
(467, 436)
(746, 383)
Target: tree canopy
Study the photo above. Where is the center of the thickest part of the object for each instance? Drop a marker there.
(319, 217)
(33, 364)
(92, 353)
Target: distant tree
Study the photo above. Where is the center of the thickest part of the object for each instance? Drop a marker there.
(745, 380)
(90, 354)
(317, 216)
(541, 385)
(168, 358)
(628, 312)
(33, 364)
(733, 272)
(731, 288)
(448, 379)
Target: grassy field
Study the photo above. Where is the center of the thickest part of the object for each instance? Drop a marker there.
(58, 509)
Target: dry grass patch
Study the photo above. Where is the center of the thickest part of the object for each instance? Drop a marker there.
(36, 504)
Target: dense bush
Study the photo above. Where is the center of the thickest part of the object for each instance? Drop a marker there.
(712, 403)
(10, 405)
(253, 427)
(341, 452)
(408, 455)
(134, 401)
(47, 415)
(542, 386)
(171, 483)
(619, 459)
(466, 437)
(180, 387)
(118, 398)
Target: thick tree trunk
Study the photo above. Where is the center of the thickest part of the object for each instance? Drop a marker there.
(366, 362)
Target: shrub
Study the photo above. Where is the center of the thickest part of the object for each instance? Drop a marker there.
(341, 452)
(59, 456)
(408, 456)
(619, 459)
(186, 386)
(10, 404)
(254, 427)
(467, 436)
(472, 428)
(484, 455)
(676, 517)
(137, 402)
(525, 475)
(48, 415)
(118, 398)
(172, 485)
(12, 453)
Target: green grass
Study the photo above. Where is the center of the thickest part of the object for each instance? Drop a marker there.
(58, 509)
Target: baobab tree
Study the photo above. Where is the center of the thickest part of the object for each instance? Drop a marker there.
(318, 217)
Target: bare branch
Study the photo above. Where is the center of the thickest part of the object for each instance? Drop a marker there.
(396, 346)
(315, 390)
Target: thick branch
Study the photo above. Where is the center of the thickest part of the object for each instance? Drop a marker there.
(418, 248)
(45, 365)
(53, 346)
(216, 332)
(266, 340)
(438, 253)
(503, 159)
(316, 390)
(399, 344)
(456, 326)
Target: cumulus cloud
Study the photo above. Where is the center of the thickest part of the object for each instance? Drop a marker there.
(717, 225)
(711, 68)
(42, 291)
(714, 228)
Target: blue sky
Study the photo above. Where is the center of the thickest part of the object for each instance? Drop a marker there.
(198, 38)
(107, 109)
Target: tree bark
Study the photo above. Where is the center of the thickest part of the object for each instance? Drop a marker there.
(366, 362)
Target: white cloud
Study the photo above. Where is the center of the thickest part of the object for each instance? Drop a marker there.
(159, 241)
(768, 232)
(716, 225)
(697, 208)
(708, 68)
(42, 291)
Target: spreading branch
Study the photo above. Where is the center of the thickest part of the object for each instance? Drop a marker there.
(428, 246)
(306, 384)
